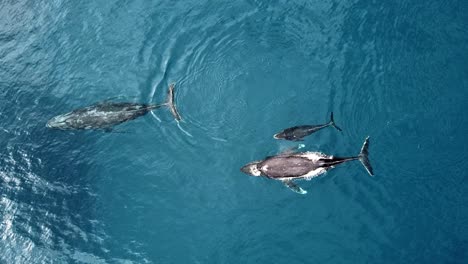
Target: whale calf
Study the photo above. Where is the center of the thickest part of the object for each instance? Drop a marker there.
(287, 167)
(297, 133)
(106, 115)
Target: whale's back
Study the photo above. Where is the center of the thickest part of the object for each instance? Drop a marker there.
(103, 115)
(286, 166)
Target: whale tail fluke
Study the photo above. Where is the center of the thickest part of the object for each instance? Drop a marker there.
(332, 122)
(171, 104)
(364, 157)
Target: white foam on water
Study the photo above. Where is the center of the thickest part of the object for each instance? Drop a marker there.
(183, 130)
(155, 116)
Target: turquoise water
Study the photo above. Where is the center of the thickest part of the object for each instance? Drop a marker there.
(168, 192)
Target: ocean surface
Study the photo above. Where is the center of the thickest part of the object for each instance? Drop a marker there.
(161, 191)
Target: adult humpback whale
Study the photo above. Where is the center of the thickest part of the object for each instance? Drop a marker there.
(297, 133)
(287, 167)
(106, 115)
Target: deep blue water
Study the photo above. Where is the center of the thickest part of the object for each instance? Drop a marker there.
(172, 193)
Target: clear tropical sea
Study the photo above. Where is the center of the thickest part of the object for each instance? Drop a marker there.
(168, 192)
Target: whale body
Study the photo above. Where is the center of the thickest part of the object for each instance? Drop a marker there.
(287, 167)
(297, 133)
(106, 115)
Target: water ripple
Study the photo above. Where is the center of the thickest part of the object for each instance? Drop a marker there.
(243, 71)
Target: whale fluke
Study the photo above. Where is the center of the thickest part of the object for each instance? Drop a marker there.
(332, 123)
(364, 157)
(170, 102)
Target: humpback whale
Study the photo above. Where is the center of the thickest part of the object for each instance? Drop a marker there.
(106, 115)
(297, 133)
(287, 167)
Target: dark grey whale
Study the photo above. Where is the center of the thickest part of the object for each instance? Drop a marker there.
(297, 133)
(106, 115)
(287, 167)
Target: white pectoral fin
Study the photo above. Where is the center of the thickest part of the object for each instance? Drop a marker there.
(292, 150)
(294, 187)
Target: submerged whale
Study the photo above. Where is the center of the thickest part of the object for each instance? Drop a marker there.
(297, 133)
(288, 167)
(106, 115)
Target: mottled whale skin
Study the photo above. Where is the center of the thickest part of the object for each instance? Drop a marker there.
(100, 116)
(106, 115)
(287, 167)
(297, 133)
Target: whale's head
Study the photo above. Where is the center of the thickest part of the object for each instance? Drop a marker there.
(58, 122)
(280, 135)
(251, 169)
